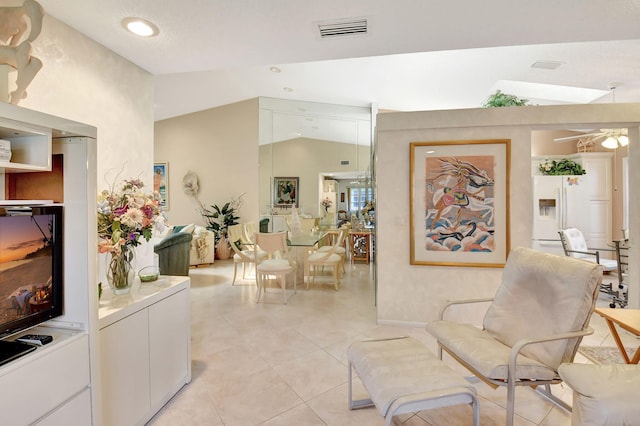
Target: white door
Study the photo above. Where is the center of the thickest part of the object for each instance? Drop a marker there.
(576, 203)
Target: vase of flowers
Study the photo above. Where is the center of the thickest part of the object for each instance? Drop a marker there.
(326, 203)
(120, 269)
(125, 216)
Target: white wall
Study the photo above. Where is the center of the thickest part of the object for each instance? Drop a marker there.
(83, 81)
(414, 294)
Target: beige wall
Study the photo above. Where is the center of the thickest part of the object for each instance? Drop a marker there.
(306, 159)
(414, 294)
(219, 145)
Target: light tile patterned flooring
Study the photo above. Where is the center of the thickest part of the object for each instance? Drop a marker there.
(274, 364)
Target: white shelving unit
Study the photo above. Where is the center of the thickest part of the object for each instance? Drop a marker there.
(58, 383)
(30, 147)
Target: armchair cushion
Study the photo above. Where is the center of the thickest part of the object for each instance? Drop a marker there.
(535, 283)
(486, 355)
(603, 394)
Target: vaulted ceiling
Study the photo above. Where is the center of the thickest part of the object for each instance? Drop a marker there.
(415, 54)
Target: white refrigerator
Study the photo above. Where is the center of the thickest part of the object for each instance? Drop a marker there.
(559, 202)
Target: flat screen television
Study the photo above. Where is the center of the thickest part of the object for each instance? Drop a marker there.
(31, 266)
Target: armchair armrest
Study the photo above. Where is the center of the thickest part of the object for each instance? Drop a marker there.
(461, 302)
(590, 253)
(520, 344)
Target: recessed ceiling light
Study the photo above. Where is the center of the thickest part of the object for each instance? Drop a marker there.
(275, 69)
(141, 27)
(287, 89)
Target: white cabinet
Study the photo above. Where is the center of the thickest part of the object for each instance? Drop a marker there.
(74, 412)
(168, 344)
(44, 380)
(124, 363)
(145, 354)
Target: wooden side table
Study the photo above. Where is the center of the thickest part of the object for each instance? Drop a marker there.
(360, 245)
(627, 319)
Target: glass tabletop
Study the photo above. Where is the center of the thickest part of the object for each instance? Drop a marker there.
(305, 239)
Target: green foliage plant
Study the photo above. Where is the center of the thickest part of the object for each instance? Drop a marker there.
(219, 219)
(499, 99)
(561, 167)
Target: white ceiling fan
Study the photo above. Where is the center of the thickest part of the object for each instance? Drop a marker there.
(611, 138)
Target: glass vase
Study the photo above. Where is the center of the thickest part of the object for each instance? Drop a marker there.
(121, 270)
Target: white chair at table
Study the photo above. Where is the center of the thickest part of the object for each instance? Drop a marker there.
(575, 245)
(245, 256)
(338, 246)
(329, 257)
(277, 263)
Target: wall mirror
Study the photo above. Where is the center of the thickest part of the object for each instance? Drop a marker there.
(321, 151)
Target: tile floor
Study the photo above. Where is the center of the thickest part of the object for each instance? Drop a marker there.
(274, 364)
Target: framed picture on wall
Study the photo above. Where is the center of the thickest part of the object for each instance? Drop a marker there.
(161, 183)
(459, 196)
(285, 193)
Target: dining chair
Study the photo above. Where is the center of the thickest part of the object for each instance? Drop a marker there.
(575, 245)
(250, 230)
(328, 257)
(277, 263)
(338, 246)
(245, 256)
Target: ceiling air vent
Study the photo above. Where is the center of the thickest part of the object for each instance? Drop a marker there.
(341, 28)
(344, 162)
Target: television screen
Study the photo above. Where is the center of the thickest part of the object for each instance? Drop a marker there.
(31, 278)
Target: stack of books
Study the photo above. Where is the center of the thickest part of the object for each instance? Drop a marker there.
(5, 150)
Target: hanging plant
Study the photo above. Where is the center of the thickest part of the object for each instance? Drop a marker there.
(561, 167)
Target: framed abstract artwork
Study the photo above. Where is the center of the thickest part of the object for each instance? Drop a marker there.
(161, 183)
(285, 192)
(459, 196)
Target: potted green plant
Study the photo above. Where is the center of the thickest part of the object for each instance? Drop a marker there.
(499, 99)
(564, 166)
(218, 220)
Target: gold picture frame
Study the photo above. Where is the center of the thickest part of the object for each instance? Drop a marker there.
(459, 201)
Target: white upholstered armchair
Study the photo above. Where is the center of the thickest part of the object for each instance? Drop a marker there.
(535, 322)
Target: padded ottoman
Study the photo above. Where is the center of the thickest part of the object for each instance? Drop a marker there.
(402, 376)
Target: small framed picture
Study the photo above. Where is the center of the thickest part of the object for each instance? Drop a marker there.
(161, 183)
(285, 193)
